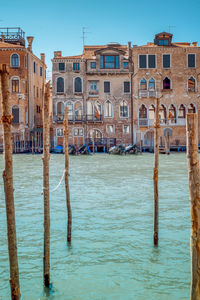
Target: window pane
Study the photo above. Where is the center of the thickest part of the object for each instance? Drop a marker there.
(15, 113)
(101, 63)
(191, 60)
(15, 60)
(142, 61)
(117, 62)
(78, 85)
(152, 61)
(125, 65)
(166, 61)
(93, 65)
(61, 66)
(60, 85)
(106, 86)
(126, 87)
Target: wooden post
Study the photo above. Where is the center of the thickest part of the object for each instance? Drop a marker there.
(8, 185)
(155, 171)
(93, 144)
(69, 212)
(194, 191)
(46, 130)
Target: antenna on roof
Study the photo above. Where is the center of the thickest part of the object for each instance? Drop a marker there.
(171, 26)
(84, 34)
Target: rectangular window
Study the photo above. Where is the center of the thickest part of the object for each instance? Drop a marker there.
(106, 86)
(126, 86)
(191, 60)
(126, 129)
(34, 67)
(109, 62)
(93, 88)
(78, 131)
(59, 131)
(93, 65)
(166, 61)
(125, 64)
(76, 67)
(37, 92)
(151, 61)
(61, 67)
(110, 129)
(142, 61)
(41, 71)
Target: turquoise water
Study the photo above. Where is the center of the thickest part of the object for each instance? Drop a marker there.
(112, 255)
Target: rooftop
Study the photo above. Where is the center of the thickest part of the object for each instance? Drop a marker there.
(12, 35)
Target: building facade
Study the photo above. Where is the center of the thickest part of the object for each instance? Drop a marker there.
(27, 78)
(111, 92)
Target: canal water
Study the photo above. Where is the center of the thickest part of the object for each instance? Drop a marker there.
(112, 255)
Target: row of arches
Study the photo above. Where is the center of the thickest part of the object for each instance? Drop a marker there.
(93, 109)
(166, 84)
(169, 114)
(60, 86)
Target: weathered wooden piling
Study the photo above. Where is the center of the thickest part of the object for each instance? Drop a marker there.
(46, 132)
(69, 211)
(8, 184)
(155, 171)
(194, 185)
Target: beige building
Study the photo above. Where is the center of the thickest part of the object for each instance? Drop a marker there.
(111, 92)
(96, 88)
(27, 78)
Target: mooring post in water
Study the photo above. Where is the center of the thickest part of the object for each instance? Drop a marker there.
(155, 171)
(69, 211)
(8, 184)
(46, 132)
(194, 185)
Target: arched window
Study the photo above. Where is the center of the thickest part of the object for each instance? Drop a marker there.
(166, 84)
(108, 109)
(152, 84)
(191, 109)
(143, 84)
(15, 60)
(60, 85)
(123, 109)
(191, 84)
(95, 133)
(143, 112)
(172, 114)
(151, 112)
(78, 111)
(60, 108)
(78, 85)
(15, 114)
(181, 112)
(97, 110)
(15, 85)
(162, 114)
(70, 110)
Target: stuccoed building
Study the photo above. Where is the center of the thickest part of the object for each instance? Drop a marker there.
(27, 78)
(111, 92)
(171, 71)
(96, 88)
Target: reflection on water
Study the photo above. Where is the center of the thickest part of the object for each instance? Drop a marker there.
(112, 255)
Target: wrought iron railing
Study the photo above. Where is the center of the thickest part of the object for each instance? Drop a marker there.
(147, 93)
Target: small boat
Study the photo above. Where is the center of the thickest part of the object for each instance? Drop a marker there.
(84, 150)
(117, 149)
(131, 149)
(71, 150)
(58, 149)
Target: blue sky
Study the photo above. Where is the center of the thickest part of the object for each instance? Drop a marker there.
(57, 25)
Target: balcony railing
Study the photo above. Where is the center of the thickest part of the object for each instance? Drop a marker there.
(147, 93)
(101, 141)
(79, 118)
(94, 118)
(143, 122)
(171, 121)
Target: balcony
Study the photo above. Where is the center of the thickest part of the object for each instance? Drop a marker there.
(143, 122)
(13, 35)
(163, 122)
(93, 93)
(94, 118)
(147, 93)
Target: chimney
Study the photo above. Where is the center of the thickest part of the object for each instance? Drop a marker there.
(2, 38)
(194, 44)
(30, 41)
(42, 57)
(57, 54)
